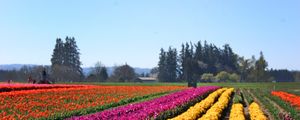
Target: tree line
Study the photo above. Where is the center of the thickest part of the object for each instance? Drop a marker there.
(23, 73)
(121, 73)
(98, 73)
(202, 61)
(66, 67)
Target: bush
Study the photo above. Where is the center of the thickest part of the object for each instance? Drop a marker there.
(234, 77)
(207, 77)
(222, 76)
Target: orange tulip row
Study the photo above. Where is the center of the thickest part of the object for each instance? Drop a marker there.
(294, 100)
(32, 104)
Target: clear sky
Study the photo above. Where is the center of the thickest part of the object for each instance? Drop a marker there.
(115, 31)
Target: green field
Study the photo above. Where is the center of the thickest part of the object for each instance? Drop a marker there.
(291, 87)
(276, 86)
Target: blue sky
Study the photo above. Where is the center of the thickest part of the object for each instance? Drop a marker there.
(115, 31)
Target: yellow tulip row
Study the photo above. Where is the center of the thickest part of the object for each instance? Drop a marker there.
(193, 112)
(214, 113)
(256, 112)
(237, 112)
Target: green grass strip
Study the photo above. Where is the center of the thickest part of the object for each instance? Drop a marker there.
(261, 95)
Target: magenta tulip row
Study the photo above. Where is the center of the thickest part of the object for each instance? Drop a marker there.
(149, 109)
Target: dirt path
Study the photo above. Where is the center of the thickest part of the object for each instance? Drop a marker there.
(276, 105)
(226, 111)
(281, 110)
(246, 112)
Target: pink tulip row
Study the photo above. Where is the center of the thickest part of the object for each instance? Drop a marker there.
(150, 109)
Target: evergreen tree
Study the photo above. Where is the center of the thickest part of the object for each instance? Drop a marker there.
(296, 75)
(282, 75)
(230, 59)
(199, 66)
(57, 60)
(171, 65)
(57, 56)
(66, 60)
(187, 64)
(208, 58)
(167, 66)
(72, 58)
(162, 66)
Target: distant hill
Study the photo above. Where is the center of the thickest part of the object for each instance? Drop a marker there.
(86, 70)
(110, 70)
(14, 66)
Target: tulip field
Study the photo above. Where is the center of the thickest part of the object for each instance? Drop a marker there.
(113, 101)
(60, 101)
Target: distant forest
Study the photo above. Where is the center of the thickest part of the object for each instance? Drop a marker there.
(206, 62)
(196, 62)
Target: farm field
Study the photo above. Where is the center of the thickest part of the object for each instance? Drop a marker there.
(61, 102)
(149, 60)
(215, 101)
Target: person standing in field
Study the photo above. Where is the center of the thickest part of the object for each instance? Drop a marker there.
(44, 78)
(44, 75)
(9, 81)
(30, 80)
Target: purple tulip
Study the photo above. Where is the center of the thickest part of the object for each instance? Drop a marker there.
(149, 109)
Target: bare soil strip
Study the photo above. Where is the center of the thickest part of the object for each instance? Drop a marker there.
(246, 112)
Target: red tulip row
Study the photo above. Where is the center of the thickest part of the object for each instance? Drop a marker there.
(18, 87)
(294, 100)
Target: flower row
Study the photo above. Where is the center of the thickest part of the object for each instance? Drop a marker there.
(294, 100)
(237, 112)
(19, 87)
(33, 104)
(200, 108)
(255, 112)
(152, 108)
(215, 112)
